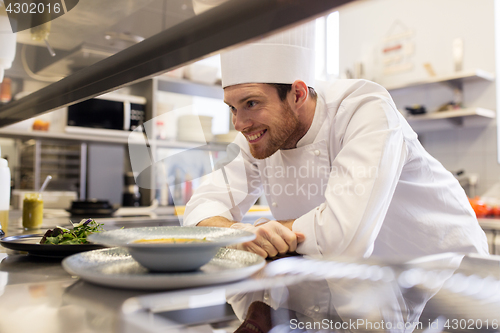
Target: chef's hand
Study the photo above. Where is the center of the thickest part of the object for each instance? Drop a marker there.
(271, 238)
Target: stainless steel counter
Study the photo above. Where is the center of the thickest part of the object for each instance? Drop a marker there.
(37, 295)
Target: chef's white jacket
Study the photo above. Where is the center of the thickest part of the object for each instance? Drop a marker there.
(359, 183)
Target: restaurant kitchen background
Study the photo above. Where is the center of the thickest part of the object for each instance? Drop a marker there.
(438, 60)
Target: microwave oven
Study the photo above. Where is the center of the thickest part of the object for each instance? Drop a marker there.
(108, 111)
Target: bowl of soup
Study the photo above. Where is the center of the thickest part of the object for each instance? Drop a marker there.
(172, 249)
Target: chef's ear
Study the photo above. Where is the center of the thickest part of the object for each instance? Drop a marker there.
(299, 93)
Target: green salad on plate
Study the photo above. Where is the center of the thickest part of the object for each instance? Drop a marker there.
(78, 235)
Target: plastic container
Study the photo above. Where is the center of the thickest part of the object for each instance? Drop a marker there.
(7, 45)
(4, 193)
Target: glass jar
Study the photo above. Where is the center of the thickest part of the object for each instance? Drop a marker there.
(32, 210)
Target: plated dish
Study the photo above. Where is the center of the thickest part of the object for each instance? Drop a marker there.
(31, 244)
(116, 268)
(172, 256)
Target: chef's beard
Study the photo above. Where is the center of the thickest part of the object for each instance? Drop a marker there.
(279, 134)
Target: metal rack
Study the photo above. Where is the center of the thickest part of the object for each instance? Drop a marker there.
(61, 160)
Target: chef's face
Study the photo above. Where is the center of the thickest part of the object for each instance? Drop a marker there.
(267, 123)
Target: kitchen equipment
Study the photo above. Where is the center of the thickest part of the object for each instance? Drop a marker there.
(416, 109)
(45, 183)
(91, 208)
(108, 111)
(59, 159)
(172, 257)
(131, 194)
(227, 265)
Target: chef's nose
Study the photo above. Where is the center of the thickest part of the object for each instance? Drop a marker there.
(241, 121)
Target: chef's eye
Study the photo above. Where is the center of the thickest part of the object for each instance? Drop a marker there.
(251, 104)
(232, 109)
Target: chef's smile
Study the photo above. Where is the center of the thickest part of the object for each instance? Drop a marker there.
(256, 136)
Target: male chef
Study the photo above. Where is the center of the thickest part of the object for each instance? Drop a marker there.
(343, 172)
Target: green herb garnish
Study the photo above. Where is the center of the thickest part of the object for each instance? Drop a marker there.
(63, 236)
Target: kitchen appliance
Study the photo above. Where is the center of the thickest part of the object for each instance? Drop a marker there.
(40, 158)
(91, 208)
(131, 195)
(108, 111)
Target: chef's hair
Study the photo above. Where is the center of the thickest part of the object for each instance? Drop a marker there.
(283, 90)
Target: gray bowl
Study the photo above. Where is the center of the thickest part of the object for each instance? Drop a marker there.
(169, 257)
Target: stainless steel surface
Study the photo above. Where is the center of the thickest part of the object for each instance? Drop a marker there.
(432, 294)
(38, 295)
(226, 25)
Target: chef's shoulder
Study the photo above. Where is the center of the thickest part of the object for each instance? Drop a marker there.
(350, 90)
(361, 103)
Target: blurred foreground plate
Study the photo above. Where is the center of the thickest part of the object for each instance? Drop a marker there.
(172, 257)
(216, 237)
(31, 244)
(116, 268)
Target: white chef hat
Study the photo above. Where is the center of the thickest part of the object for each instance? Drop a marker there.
(281, 58)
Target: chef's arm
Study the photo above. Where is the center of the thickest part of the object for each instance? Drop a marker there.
(287, 223)
(272, 238)
(222, 222)
(216, 221)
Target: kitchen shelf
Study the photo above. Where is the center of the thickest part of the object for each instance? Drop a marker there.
(466, 76)
(186, 87)
(189, 145)
(122, 138)
(62, 136)
(467, 112)
(450, 119)
(489, 223)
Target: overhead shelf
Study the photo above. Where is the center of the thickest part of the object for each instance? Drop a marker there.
(89, 137)
(465, 76)
(231, 23)
(186, 87)
(109, 136)
(441, 120)
(453, 114)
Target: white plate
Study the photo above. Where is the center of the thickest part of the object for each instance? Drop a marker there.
(217, 236)
(116, 268)
(172, 257)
